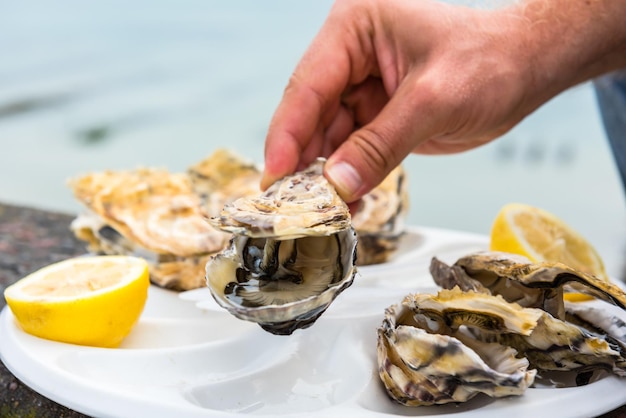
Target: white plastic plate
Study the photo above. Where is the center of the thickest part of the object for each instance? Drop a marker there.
(189, 358)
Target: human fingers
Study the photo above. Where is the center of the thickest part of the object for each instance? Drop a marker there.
(366, 100)
(310, 97)
(336, 58)
(291, 132)
(363, 160)
(359, 106)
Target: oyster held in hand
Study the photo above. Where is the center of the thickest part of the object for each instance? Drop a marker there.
(293, 252)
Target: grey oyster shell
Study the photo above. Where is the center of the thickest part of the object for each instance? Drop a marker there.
(293, 251)
(547, 342)
(504, 308)
(419, 367)
(517, 279)
(379, 219)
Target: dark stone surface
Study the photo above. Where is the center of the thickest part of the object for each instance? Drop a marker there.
(31, 239)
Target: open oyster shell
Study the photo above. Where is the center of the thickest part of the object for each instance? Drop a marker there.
(419, 367)
(517, 279)
(503, 307)
(547, 342)
(292, 253)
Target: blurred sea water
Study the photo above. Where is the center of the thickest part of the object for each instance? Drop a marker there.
(87, 86)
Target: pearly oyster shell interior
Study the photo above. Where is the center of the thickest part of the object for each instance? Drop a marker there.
(293, 251)
(419, 367)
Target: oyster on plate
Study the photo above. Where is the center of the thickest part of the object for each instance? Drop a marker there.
(547, 342)
(517, 279)
(419, 367)
(221, 178)
(379, 220)
(501, 306)
(293, 251)
(150, 213)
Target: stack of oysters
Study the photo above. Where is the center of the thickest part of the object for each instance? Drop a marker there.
(499, 322)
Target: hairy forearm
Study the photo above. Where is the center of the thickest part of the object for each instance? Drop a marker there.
(567, 42)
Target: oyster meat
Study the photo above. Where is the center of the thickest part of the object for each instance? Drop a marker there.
(547, 342)
(151, 213)
(293, 251)
(517, 279)
(419, 367)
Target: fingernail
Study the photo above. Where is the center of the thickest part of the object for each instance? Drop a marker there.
(345, 178)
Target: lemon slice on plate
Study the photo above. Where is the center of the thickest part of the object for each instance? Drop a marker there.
(93, 300)
(541, 236)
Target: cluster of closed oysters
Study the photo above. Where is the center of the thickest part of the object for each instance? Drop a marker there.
(499, 322)
(162, 216)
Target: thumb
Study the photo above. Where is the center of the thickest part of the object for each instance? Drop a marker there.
(370, 153)
(361, 163)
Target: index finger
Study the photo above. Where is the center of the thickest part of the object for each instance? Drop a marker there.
(310, 99)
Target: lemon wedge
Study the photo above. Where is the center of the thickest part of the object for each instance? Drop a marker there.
(541, 236)
(93, 300)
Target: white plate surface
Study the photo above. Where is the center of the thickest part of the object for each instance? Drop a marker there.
(189, 358)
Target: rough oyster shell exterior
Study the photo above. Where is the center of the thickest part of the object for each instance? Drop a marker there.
(379, 219)
(151, 213)
(303, 204)
(221, 178)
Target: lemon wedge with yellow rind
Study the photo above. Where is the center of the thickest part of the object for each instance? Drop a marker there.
(92, 301)
(541, 236)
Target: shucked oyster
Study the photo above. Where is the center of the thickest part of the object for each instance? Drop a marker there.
(547, 342)
(292, 253)
(517, 279)
(541, 285)
(421, 367)
(501, 306)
